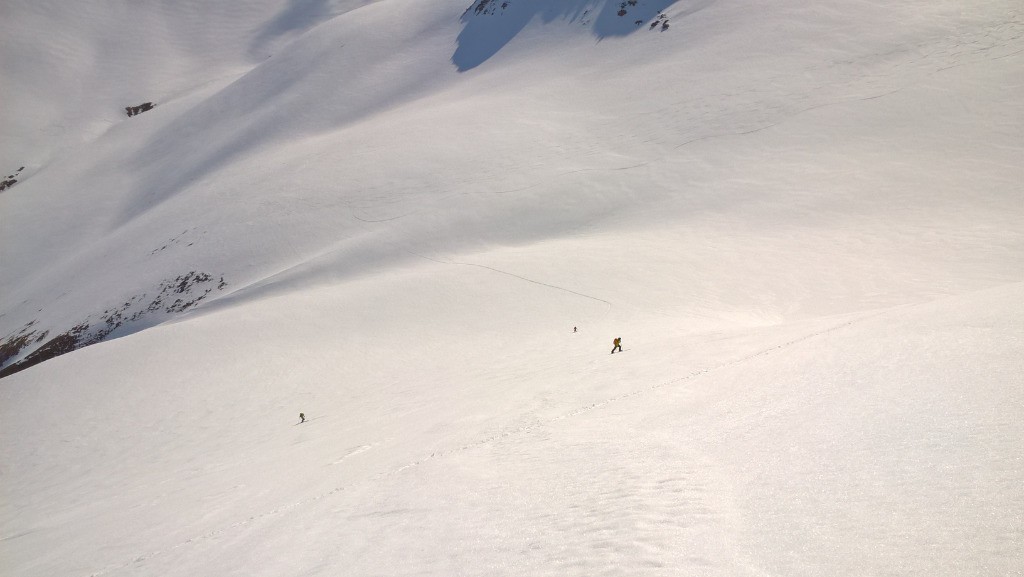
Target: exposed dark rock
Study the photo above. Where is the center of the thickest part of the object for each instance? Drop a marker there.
(13, 345)
(134, 110)
(188, 290)
(661, 19)
(10, 180)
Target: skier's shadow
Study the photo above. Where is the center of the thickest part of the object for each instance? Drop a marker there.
(308, 420)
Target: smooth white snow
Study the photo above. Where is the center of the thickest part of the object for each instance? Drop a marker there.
(805, 222)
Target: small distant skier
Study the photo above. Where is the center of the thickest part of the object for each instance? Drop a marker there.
(574, 329)
(618, 345)
(302, 417)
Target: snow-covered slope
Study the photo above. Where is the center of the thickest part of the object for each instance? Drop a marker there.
(804, 221)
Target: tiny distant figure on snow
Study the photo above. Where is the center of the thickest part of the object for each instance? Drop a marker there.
(618, 345)
(302, 417)
(574, 329)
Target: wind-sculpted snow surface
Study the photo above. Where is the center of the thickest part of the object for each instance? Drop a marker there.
(802, 219)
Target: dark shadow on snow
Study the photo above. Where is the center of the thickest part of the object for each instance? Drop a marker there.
(491, 24)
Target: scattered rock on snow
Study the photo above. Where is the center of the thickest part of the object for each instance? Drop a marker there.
(174, 296)
(135, 110)
(10, 180)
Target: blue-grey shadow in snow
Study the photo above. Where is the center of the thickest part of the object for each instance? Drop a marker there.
(488, 25)
(298, 16)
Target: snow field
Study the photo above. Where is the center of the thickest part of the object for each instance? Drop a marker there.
(804, 222)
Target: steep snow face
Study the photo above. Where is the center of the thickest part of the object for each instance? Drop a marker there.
(71, 69)
(359, 144)
(492, 24)
(150, 172)
(803, 221)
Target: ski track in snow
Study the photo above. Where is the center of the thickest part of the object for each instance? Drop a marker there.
(786, 118)
(866, 67)
(483, 442)
(353, 453)
(529, 280)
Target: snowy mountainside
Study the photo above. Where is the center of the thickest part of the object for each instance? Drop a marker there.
(338, 95)
(492, 24)
(156, 165)
(71, 69)
(422, 222)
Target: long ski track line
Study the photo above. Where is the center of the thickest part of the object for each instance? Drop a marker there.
(138, 559)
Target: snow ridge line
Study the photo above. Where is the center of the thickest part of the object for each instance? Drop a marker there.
(491, 439)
